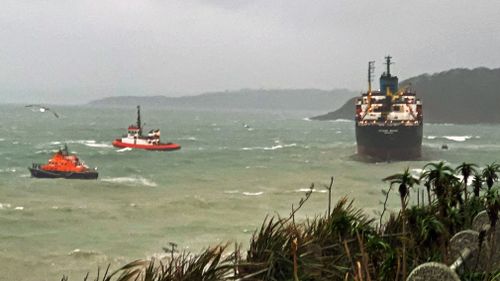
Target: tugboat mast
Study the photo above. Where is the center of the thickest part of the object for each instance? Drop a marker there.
(139, 120)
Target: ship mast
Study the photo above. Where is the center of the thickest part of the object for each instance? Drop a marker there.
(371, 69)
(139, 120)
(388, 63)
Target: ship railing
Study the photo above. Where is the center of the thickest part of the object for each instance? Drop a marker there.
(407, 123)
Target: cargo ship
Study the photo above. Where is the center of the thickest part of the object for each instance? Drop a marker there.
(389, 121)
(63, 165)
(135, 139)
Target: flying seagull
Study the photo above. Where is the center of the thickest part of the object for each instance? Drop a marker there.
(36, 107)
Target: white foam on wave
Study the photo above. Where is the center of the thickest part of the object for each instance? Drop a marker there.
(314, 190)
(5, 206)
(274, 147)
(1, 139)
(458, 138)
(253, 193)
(417, 171)
(190, 138)
(306, 119)
(99, 145)
(340, 120)
(131, 181)
(256, 167)
(8, 170)
(430, 137)
(124, 149)
(231, 191)
(19, 208)
(82, 254)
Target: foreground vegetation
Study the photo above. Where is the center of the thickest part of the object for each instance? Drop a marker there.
(343, 243)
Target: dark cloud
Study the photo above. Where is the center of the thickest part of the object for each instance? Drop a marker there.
(58, 50)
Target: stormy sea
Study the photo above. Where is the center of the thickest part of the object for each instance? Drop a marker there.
(234, 168)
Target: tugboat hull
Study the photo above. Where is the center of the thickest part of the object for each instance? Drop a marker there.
(389, 142)
(160, 147)
(39, 173)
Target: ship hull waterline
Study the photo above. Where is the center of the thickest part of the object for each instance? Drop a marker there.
(389, 142)
(158, 147)
(39, 173)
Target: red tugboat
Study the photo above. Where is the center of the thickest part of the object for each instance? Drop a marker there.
(63, 165)
(135, 139)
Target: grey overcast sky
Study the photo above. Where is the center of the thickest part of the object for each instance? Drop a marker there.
(57, 51)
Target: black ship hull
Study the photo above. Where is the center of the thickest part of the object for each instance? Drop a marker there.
(39, 173)
(389, 142)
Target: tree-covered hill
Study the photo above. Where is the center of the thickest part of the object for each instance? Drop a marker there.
(282, 99)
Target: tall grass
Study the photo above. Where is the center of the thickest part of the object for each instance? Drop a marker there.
(344, 243)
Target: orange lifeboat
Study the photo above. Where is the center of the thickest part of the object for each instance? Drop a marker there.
(63, 165)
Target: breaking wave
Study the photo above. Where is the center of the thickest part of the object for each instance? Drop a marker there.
(274, 147)
(89, 143)
(231, 191)
(253, 193)
(5, 206)
(8, 170)
(342, 120)
(131, 181)
(457, 138)
(314, 190)
(453, 138)
(246, 193)
(83, 254)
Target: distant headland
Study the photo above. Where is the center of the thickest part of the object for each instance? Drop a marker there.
(458, 96)
(260, 99)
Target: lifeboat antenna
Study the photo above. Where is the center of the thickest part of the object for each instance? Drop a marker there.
(371, 69)
(139, 120)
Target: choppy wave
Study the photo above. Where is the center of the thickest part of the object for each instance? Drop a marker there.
(124, 149)
(453, 138)
(83, 254)
(5, 206)
(340, 120)
(314, 190)
(417, 171)
(252, 193)
(1, 139)
(274, 147)
(190, 138)
(231, 191)
(246, 193)
(90, 143)
(131, 181)
(99, 145)
(256, 167)
(458, 138)
(8, 170)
